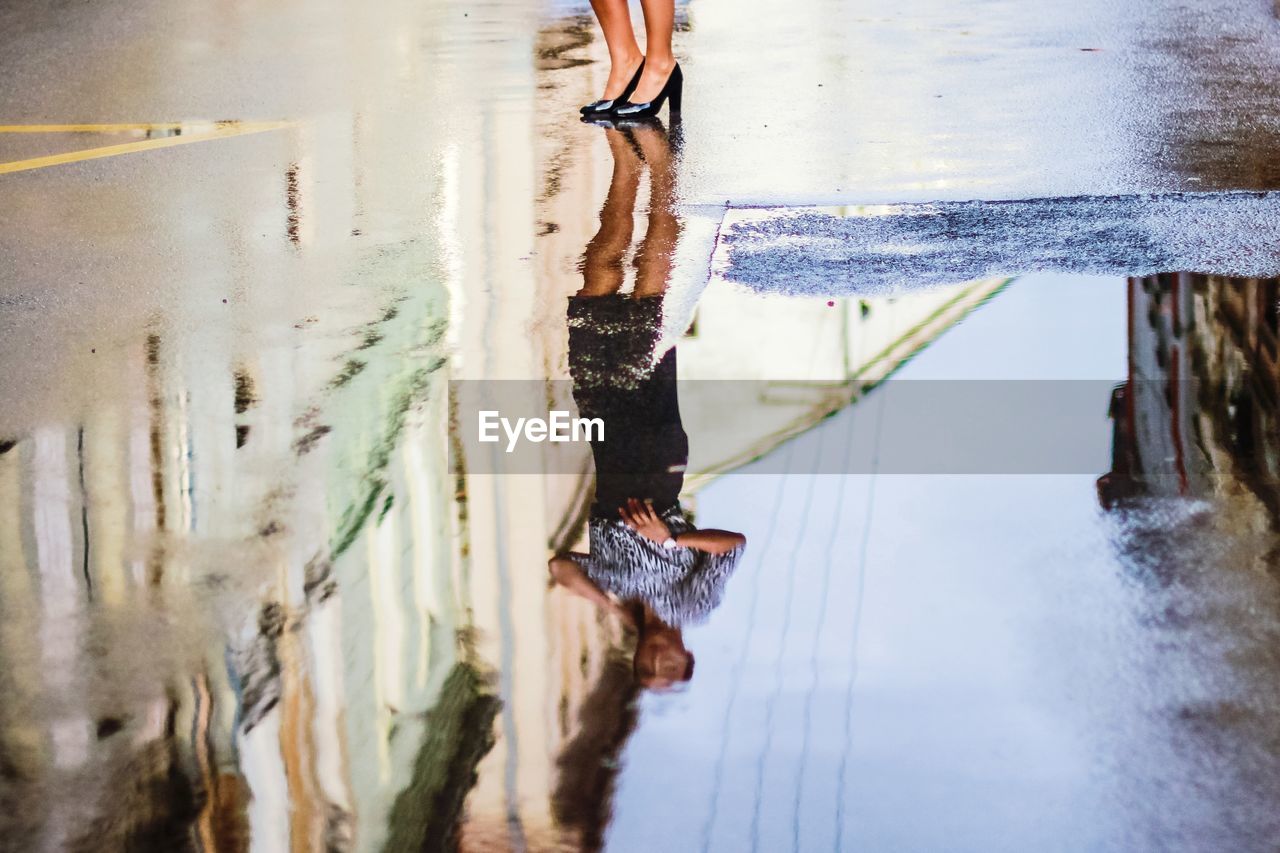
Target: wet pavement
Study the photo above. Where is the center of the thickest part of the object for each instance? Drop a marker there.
(892, 248)
(260, 588)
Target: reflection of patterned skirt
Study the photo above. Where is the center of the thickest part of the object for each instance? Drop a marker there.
(611, 346)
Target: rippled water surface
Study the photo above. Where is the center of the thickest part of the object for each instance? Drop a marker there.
(975, 505)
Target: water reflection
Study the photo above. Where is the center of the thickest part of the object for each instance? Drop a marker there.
(647, 562)
(1199, 416)
(177, 666)
(243, 600)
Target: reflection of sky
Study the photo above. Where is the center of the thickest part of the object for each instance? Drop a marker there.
(1043, 326)
(981, 617)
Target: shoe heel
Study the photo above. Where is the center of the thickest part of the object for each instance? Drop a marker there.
(677, 94)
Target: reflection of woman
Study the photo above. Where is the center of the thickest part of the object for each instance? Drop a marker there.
(647, 562)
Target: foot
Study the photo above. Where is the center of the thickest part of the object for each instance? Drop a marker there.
(620, 74)
(656, 73)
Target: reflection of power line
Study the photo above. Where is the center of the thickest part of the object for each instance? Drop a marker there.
(822, 622)
(84, 516)
(734, 678)
(857, 624)
(778, 659)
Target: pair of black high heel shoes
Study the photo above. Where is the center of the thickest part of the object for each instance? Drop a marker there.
(621, 107)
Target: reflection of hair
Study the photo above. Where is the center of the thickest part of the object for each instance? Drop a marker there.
(588, 764)
(642, 671)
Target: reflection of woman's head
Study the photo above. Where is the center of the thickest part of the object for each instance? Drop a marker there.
(661, 661)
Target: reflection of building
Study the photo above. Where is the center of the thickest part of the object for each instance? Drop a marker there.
(233, 589)
(230, 591)
(1198, 416)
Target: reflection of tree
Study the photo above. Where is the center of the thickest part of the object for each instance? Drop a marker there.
(588, 763)
(150, 806)
(425, 814)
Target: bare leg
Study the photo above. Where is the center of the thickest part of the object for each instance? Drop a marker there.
(624, 53)
(659, 19)
(602, 261)
(654, 257)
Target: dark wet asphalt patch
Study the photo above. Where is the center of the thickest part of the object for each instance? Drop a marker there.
(834, 251)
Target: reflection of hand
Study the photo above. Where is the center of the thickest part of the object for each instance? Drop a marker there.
(641, 518)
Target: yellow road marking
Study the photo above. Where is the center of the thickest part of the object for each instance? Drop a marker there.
(94, 128)
(217, 130)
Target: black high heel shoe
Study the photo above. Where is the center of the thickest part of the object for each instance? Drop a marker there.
(606, 105)
(673, 89)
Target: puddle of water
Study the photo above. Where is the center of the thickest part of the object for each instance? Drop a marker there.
(324, 623)
(264, 587)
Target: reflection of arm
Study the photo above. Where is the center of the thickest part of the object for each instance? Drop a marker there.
(704, 585)
(566, 572)
(640, 516)
(711, 541)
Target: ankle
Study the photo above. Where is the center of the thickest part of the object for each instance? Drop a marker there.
(661, 63)
(626, 61)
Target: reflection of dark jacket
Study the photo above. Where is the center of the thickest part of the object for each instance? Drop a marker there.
(644, 450)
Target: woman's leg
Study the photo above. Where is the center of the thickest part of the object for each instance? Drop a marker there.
(659, 19)
(624, 53)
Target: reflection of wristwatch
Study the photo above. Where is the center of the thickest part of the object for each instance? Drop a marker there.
(669, 543)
